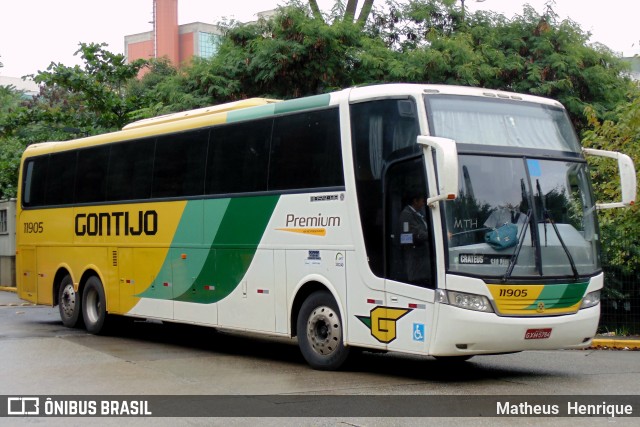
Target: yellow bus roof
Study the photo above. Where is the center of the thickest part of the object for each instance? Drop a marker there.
(200, 112)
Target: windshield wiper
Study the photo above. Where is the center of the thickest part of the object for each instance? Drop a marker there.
(544, 210)
(516, 253)
(547, 217)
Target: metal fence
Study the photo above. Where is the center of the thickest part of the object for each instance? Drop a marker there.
(620, 309)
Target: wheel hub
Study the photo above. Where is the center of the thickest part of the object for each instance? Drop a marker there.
(68, 300)
(324, 331)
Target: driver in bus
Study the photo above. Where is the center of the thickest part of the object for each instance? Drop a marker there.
(414, 238)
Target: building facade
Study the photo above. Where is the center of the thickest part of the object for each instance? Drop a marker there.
(177, 43)
(8, 242)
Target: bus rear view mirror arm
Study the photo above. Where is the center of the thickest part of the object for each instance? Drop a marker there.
(446, 164)
(627, 177)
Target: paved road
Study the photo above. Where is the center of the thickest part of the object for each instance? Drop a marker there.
(41, 357)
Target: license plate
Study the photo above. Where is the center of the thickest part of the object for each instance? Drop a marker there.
(537, 334)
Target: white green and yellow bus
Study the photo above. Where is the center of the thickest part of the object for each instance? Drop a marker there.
(286, 218)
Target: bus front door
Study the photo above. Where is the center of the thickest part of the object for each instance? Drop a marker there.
(410, 268)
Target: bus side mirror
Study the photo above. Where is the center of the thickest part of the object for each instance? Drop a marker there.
(627, 177)
(446, 166)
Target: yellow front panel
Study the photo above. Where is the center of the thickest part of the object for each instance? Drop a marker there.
(538, 300)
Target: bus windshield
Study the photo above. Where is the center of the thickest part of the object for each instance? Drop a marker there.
(500, 122)
(522, 218)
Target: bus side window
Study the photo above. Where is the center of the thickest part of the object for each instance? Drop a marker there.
(179, 164)
(130, 170)
(91, 174)
(60, 178)
(305, 151)
(238, 157)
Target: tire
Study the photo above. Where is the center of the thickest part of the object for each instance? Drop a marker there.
(94, 306)
(69, 303)
(320, 332)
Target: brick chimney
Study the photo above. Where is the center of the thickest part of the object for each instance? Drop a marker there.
(167, 38)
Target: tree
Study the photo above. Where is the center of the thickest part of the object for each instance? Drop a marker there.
(619, 227)
(296, 54)
(72, 102)
(11, 148)
(290, 55)
(349, 11)
(163, 90)
(10, 153)
(530, 53)
(98, 90)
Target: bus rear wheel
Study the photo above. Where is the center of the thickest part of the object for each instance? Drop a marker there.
(320, 332)
(69, 303)
(94, 306)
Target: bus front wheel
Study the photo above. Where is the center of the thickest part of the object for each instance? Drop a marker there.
(94, 306)
(69, 303)
(320, 332)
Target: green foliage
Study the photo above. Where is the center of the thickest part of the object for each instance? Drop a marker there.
(531, 53)
(10, 98)
(10, 152)
(288, 56)
(619, 227)
(10, 148)
(73, 102)
(296, 53)
(162, 90)
(97, 89)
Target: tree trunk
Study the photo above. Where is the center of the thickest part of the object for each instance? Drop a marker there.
(315, 9)
(350, 11)
(364, 12)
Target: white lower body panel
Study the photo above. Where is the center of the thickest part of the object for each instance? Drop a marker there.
(465, 332)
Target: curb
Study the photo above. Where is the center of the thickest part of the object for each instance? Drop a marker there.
(14, 304)
(615, 344)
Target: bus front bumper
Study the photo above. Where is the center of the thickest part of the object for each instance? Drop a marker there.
(465, 332)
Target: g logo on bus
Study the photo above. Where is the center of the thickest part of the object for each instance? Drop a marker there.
(382, 322)
(540, 308)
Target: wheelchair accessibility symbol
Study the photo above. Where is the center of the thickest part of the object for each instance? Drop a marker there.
(418, 332)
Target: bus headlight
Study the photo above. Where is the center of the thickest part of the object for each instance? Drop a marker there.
(591, 299)
(464, 300)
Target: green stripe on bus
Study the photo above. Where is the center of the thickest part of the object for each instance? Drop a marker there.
(310, 102)
(211, 212)
(560, 296)
(232, 249)
(251, 113)
(307, 103)
(233, 229)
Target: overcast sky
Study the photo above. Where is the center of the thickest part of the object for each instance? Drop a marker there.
(33, 33)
